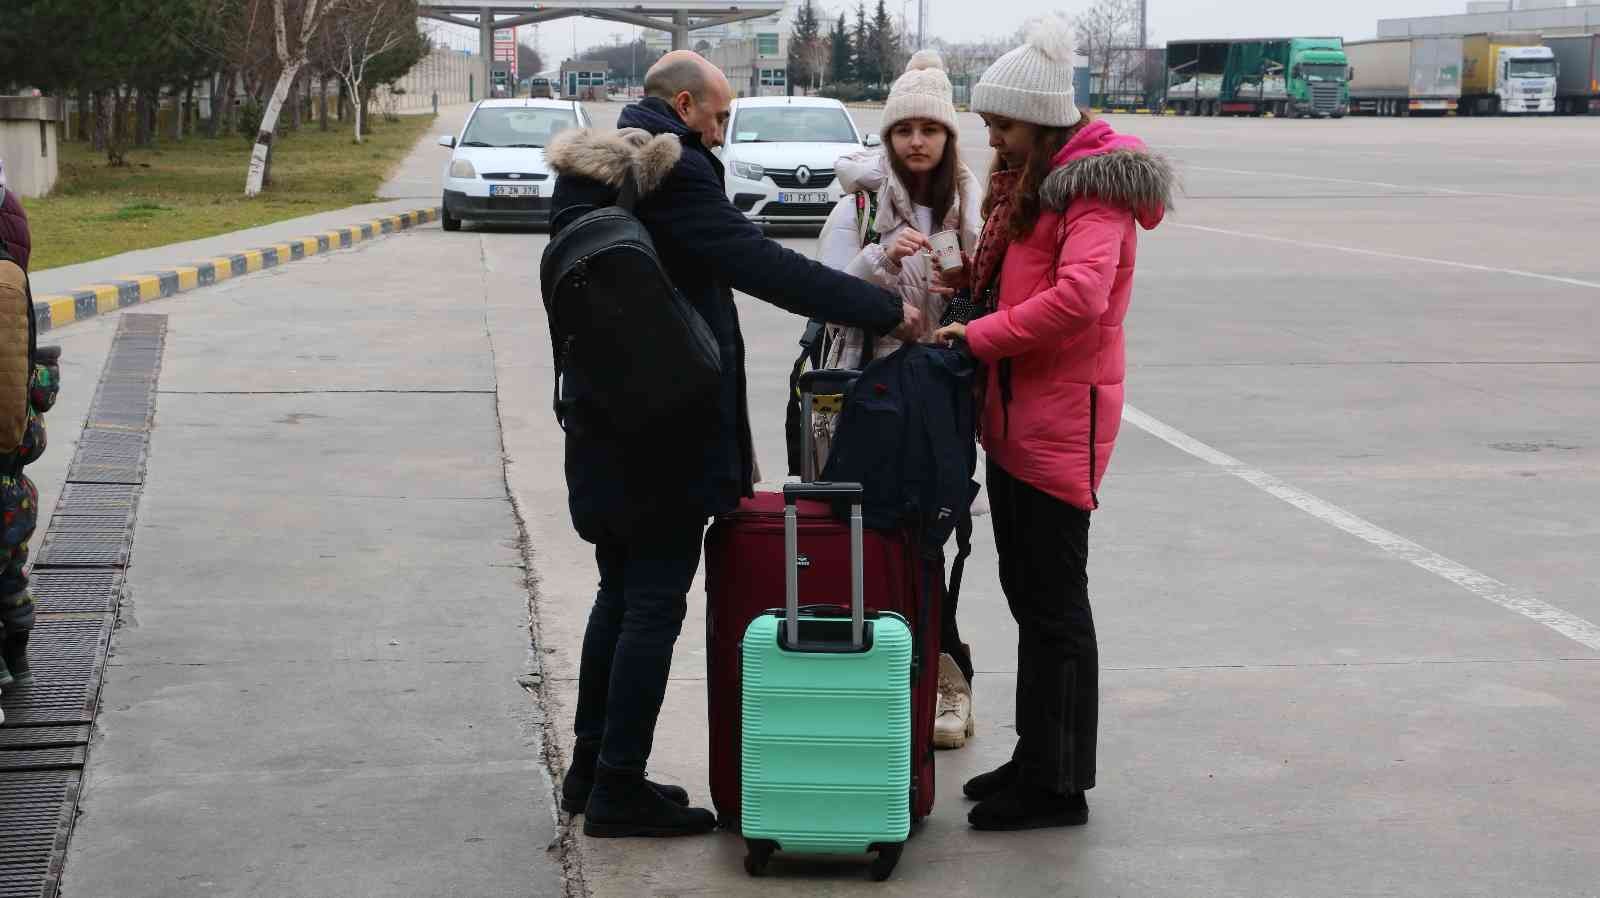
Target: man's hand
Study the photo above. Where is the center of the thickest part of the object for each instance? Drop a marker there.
(908, 243)
(910, 329)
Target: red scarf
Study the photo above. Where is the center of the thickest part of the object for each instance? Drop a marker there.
(996, 231)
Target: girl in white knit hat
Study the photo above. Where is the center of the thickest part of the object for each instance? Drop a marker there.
(895, 198)
(1054, 267)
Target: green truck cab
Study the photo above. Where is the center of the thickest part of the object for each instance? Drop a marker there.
(1319, 77)
(1286, 76)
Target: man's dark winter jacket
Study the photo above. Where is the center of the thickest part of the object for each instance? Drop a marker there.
(706, 463)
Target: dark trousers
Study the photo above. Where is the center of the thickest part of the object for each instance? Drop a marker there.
(627, 648)
(1043, 545)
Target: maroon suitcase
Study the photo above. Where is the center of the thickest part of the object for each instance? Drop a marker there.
(745, 576)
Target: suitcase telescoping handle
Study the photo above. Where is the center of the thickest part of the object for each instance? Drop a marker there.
(792, 494)
(824, 381)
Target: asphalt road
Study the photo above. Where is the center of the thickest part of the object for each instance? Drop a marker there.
(1344, 571)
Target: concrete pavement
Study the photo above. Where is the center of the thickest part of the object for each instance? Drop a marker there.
(317, 686)
(1352, 331)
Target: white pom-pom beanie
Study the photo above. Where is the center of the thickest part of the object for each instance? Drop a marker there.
(1033, 83)
(922, 92)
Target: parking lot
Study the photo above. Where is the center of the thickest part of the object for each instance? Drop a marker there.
(1344, 571)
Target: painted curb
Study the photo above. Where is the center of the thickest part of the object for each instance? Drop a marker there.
(60, 309)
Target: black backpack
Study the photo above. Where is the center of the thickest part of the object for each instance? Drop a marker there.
(907, 435)
(642, 349)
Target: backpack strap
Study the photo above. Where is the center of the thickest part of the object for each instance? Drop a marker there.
(867, 217)
(628, 194)
(796, 417)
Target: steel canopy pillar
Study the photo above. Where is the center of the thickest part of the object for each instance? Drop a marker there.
(486, 48)
(680, 29)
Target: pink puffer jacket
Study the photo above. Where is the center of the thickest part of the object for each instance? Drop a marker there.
(1054, 347)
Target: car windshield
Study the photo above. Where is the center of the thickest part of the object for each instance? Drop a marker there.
(1324, 72)
(793, 124)
(1531, 68)
(516, 126)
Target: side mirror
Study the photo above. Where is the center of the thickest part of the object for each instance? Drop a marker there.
(873, 140)
(448, 141)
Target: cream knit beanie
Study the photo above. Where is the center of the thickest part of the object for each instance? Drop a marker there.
(922, 92)
(1033, 83)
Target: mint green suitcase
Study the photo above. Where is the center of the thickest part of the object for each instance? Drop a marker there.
(826, 718)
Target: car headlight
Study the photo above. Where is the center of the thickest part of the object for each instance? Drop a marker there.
(749, 171)
(462, 168)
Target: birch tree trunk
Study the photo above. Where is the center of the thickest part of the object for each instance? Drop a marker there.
(269, 124)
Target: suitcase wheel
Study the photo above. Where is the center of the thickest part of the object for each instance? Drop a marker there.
(883, 865)
(759, 852)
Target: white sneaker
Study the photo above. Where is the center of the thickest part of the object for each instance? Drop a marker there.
(955, 723)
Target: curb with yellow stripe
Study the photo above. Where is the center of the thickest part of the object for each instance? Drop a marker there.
(59, 309)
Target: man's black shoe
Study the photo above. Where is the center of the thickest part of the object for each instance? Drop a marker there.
(633, 808)
(575, 793)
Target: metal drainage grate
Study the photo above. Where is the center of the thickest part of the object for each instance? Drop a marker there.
(71, 550)
(65, 590)
(66, 657)
(91, 498)
(44, 737)
(37, 808)
(44, 758)
(111, 520)
(91, 472)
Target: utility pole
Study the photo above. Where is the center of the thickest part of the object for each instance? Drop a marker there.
(922, 24)
(1144, 21)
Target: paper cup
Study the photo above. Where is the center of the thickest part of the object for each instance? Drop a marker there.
(947, 249)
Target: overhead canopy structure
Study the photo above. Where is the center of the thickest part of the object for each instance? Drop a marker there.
(676, 16)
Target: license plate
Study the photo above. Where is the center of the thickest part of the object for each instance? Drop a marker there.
(513, 189)
(819, 196)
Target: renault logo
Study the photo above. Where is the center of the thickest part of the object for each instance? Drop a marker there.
(803, 175)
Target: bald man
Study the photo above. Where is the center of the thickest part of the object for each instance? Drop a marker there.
(644, 504)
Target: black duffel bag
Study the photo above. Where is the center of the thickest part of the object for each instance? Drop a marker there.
(615, 315)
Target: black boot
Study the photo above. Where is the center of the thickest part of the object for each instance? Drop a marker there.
(14, 650)
(624, 804)
(1022, 807)
(988, 785)
(579, 782)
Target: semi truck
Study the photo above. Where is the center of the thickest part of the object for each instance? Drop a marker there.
(1511, 74)
(1288, 77)
(1405, 76)
(1578, 73)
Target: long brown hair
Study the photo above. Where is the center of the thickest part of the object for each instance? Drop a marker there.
(1046, 145)
(941, 192)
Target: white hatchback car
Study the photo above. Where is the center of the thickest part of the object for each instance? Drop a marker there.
(779, 154)
(497, 170)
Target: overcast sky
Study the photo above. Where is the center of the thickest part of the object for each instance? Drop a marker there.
(1169, 20)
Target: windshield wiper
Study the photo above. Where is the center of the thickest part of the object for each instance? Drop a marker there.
(528, 146)
(475, 143)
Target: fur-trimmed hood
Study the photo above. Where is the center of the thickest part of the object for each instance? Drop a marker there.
(1100, 163)
(605, 155)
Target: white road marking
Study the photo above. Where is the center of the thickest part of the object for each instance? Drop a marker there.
(1479, 584)
(1556, 279)
(1447, 191)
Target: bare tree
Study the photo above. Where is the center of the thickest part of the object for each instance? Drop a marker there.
(364, 30)
(294, 24)
(1105, 26)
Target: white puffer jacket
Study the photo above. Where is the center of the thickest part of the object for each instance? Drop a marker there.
(840, 245)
